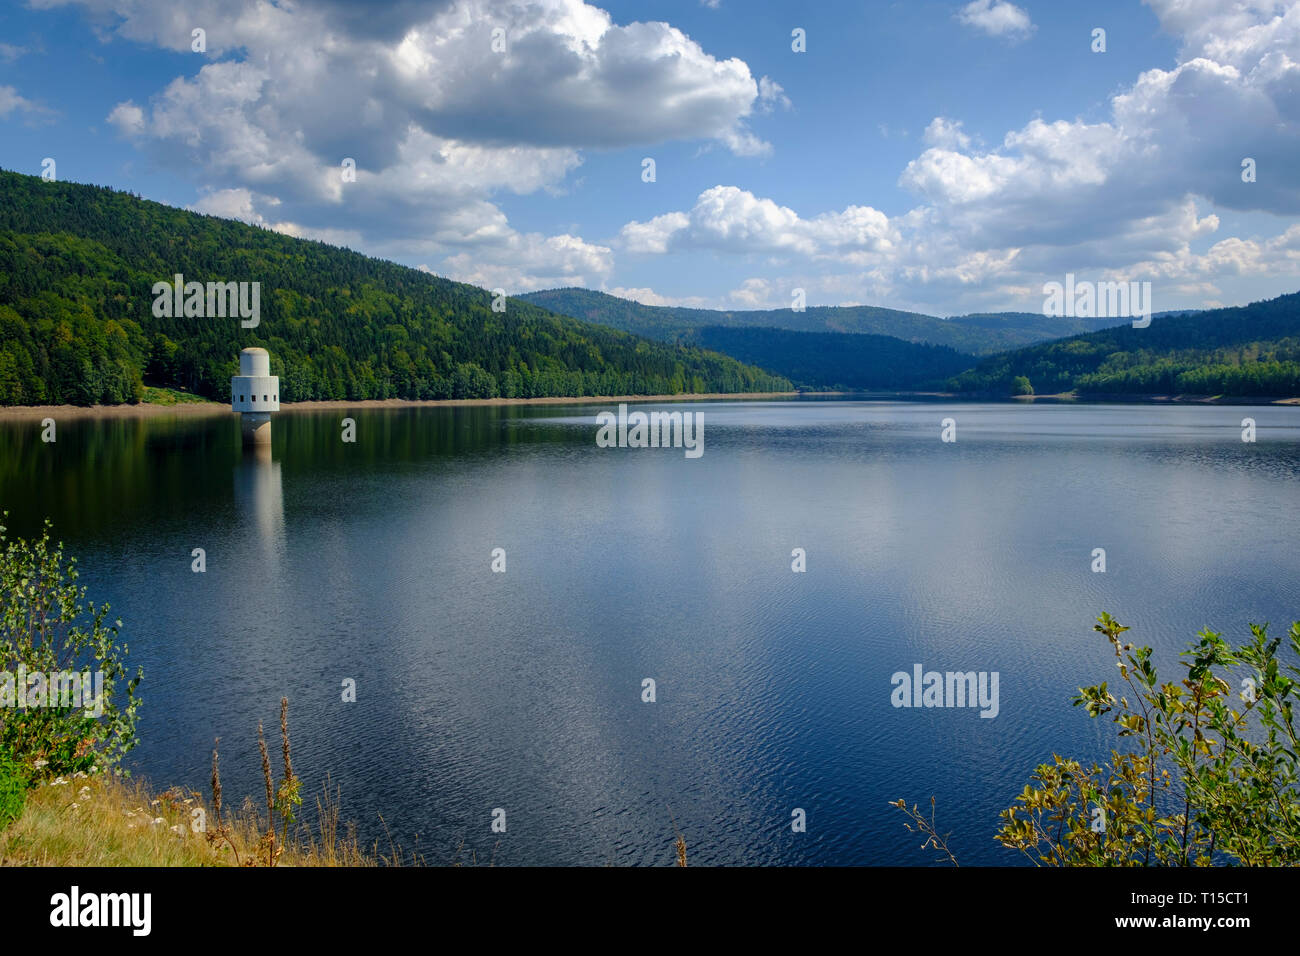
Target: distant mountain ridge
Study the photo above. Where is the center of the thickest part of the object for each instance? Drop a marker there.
(1251, 350)
(977, 334)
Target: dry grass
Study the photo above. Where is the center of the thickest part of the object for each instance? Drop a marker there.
(107, 820)
(110, 821)
(98, 821)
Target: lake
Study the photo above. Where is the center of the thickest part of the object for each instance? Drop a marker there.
(523, 690)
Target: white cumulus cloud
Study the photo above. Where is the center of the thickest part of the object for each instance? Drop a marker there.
(440, 115)
(996, 18)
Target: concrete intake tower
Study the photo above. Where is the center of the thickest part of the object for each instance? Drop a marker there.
(255, 394)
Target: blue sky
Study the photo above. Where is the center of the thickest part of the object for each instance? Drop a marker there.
(944, 157)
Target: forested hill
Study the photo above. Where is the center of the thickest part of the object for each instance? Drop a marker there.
(982, 334)
(1247, 350)
(839, 360)
(78, 265)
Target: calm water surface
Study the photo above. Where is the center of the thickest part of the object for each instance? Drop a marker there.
(522, 690)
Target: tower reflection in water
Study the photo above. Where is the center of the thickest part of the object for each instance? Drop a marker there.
(259, 498)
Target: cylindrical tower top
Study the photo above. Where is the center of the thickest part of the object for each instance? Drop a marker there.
(254, 362)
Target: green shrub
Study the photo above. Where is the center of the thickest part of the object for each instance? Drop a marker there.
(1207, 773)
(47, 627)
(1210, 777)
(13, 789)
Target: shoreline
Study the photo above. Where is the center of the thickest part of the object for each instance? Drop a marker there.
(1120, 398)
(193, 409)
(198, 409)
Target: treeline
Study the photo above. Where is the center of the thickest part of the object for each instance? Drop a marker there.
(1257, 378)
(1248, 350)
(838, 360)
(78, 264)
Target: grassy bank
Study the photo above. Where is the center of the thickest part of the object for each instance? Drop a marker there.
(106, 820)
(97, 818)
